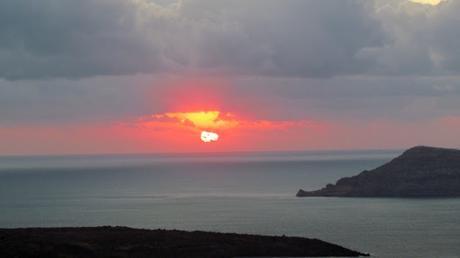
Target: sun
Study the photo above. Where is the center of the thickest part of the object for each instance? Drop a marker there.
(427, 2)
(205, 123)
(208, 137)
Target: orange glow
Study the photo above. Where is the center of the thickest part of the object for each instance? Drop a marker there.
(216, 121)
(224, 129)
(169, 135)
(194, 94)
(427, 2)
(203, 119)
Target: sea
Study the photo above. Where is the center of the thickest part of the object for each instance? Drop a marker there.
(243, 192)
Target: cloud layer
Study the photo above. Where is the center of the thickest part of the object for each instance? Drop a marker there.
(75, 39)
(364, 68)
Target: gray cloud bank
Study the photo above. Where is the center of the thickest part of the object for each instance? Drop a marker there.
(297, 38)
(288, 59)
(123, 98)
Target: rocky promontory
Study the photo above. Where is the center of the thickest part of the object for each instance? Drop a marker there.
(419, 172)
(127, 242)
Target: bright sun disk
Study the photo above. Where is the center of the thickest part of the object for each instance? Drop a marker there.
(209, 136)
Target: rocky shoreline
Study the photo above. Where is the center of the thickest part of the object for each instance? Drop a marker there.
(419, 172)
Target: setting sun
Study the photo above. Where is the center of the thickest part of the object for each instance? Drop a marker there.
(209, 125)
(158, 114)
(209, 136)
(202, 121)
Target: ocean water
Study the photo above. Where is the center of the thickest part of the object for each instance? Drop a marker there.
(237, 192)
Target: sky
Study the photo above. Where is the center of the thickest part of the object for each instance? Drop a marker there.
(141, 76)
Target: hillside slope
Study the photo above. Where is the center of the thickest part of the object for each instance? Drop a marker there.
(419, 172)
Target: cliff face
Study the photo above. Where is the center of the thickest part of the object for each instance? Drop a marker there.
(418, 172)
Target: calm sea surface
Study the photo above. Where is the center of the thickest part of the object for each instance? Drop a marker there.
(239, 192)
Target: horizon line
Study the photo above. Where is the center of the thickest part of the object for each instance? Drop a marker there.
(202, 152)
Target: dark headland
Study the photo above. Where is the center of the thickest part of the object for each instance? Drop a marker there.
(419, 172)
(128, 242)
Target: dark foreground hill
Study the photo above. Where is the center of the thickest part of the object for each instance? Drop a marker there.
(128, 242)
(418, 172)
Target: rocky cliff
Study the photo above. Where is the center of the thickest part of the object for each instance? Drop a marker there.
(419, 172)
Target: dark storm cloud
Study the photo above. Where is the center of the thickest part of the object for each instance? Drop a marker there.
(64, 38)
(74, 39)
(296, 38)
(334, 59)
(285, 38)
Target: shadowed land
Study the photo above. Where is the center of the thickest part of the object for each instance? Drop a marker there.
(128, 242)
(419, 172)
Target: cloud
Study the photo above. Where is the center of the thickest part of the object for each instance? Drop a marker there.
(293, 38)
(119, 98)
(420, 39)
(202, 119)
(73, 101)
(75, 39)
(427, 2)
(72, 39)
(279, 65)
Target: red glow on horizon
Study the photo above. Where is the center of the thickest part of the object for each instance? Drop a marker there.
(200, 120)
(175, 125)
(224, 129)
(149, 135)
